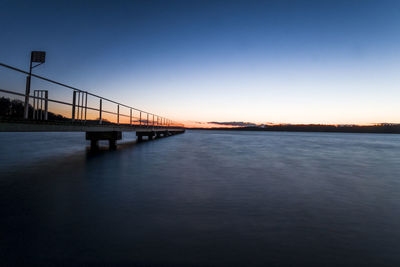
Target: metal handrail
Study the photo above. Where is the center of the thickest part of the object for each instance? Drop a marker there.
(156, 119)
(61, 102)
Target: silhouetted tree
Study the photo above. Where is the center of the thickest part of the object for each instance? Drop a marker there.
(5, 106)
(15, 109)
(12, 108)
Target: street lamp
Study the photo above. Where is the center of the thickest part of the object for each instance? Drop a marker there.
(36, 57)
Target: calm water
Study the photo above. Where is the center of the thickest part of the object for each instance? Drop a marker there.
(204, 198)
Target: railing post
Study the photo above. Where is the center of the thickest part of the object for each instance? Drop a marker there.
(130, 117)
(27, 92)
(46, 105)
(34, 104)
(147, 119)
(77, 107)
(39, 102)
(83, 95)
(73, 106)
(140, 118)
(41, 105)
(101, 106)
(38, 106)
(85, 106)
(153, 121)
(117, 114)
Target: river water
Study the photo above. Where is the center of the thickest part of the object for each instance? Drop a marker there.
(204, 198)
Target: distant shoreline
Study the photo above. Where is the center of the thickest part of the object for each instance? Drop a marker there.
(381, 129)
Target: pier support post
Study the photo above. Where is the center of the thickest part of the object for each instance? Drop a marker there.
(149, 134)
(112, 143)
(156, 134)
(111, 136)
(94, 144)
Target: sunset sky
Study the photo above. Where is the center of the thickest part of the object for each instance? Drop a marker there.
(255, 61)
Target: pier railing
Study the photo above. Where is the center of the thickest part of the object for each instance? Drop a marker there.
(76, 105)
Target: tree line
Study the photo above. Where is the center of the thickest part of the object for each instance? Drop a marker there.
(15, 109)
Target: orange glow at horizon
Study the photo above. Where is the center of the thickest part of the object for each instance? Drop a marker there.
(124, 119)
(209, 125)
(197, 124)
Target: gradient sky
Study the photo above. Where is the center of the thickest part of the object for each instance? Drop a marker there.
(258, 61)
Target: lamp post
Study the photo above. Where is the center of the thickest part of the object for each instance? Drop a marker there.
(38, 57)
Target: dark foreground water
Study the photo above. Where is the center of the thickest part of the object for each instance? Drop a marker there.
(202, 198)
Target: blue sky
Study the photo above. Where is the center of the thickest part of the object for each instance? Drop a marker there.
(259, 61)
